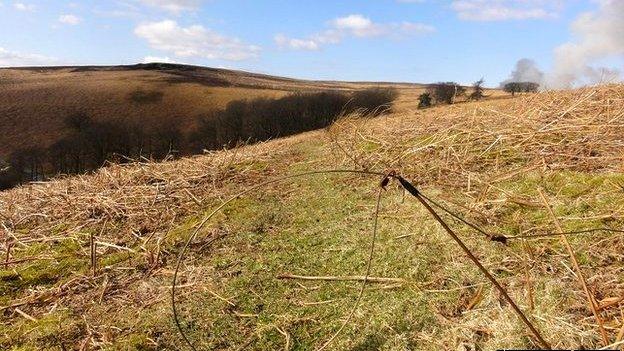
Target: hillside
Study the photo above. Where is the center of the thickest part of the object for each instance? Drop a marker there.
(34, 102)
(487, 161)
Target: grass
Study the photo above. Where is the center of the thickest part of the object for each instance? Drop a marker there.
(229, 293)
(284, 237)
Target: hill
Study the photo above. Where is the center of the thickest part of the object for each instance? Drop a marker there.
(35, 102)
(487, 161)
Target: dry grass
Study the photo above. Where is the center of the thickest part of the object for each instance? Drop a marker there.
(36, 101)
(578, 130)
(486, 160)
(490, 158)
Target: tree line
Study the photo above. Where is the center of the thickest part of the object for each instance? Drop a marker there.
(89, 143)
(262, 119)
(520, 87)
(450, 92)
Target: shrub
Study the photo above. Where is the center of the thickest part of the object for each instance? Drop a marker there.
(518, 87)
(477, 90)
(446, 92)
(424, 100)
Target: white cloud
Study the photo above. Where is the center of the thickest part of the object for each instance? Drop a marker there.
(175, 6)
(122, 10)
(298, 44)
(20, 6)
(353, 22)
(355, 25)
(10, 58)
(72, 20)
(154, 59)
(414, 28)
(502, 10)
(194, 41)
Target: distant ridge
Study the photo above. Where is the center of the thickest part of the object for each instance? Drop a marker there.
(177, 67)
(35, 101)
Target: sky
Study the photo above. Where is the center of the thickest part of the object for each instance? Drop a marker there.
(375, 40)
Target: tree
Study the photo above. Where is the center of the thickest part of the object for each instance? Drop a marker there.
(8, 176)
(446, 92)
(4, 166)
(518, 87)
(424, 100)
(206, 133)
(88, 143)
(374, 101)
(78, 121)
(477, 90)
(530, 87)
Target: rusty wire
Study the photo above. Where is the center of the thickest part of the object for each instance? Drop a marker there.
(408, 187)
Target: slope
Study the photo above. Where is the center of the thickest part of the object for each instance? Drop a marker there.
(485, 160)
(34, 102)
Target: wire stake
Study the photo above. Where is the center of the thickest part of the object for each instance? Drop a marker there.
(412, 190)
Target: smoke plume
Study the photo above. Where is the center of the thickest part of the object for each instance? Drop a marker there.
(525, 71)
(596, 36)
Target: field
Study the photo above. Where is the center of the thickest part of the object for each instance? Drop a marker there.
(89, 260)
(36, 101)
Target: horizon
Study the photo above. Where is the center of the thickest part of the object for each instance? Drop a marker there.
(244, 71)
(219, 68)
(558, 43)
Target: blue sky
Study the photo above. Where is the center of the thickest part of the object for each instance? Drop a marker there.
(379, 40)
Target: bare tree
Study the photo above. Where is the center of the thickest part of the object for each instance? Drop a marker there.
(477, 90)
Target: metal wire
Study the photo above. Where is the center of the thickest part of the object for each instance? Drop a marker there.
(586, 231)
(426, 202)
(412, 190)
(368, 270)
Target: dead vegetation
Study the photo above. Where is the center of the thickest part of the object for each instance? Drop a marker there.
(487, 160)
